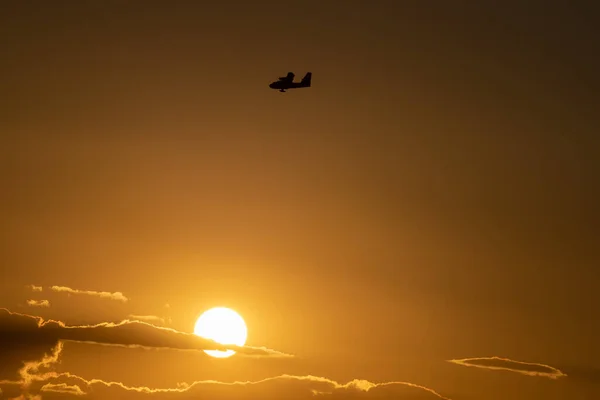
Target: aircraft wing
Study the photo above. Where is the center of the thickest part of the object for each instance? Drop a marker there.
(288, 78)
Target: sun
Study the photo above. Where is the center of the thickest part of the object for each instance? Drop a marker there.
(224, 326)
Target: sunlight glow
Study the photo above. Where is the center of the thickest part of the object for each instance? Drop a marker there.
(224, 326)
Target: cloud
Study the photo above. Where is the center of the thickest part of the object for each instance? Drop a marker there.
(280, 387)
(30, 345)
(106, 295)
(35, 288)
(35, 346)
(35, 376)
(62, 388)
(38, 303)
(31, 371)
(506, 364)
(147, 318)
(36, 379)
(20, 328)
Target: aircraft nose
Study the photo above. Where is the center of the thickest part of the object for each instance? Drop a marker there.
(272, 85)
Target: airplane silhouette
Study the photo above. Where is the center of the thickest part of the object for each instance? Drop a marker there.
(287, 82)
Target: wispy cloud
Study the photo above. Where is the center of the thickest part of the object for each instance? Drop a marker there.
(38, 303)
(106, 295)
(34, 288)
(506, 364)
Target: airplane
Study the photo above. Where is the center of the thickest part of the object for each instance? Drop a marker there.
(287, 82)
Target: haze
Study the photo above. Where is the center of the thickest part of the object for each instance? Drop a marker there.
(423, 219)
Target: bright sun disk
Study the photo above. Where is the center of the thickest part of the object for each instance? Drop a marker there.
(224, 326)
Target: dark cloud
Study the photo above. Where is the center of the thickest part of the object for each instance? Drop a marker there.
(506, 364)
(18, 330)
(20, 342)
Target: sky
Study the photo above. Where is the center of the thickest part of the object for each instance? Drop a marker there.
(421, 223)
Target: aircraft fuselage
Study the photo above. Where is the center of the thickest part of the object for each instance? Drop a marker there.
(287, 85)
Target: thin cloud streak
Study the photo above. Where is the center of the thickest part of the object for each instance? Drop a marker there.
(146, 318)
(506, 364)
(118, 296)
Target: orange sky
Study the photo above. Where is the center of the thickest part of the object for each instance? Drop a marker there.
(431, 197)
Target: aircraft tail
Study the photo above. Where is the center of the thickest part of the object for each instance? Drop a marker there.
(306, 81)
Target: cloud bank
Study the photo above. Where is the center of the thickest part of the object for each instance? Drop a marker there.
(506, 364)
(35, 379)
(280, 387)
(118, 296)
(30, 347)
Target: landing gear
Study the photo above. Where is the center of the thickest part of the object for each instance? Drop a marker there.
(282, 90)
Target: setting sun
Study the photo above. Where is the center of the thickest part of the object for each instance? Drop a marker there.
(224, 326)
